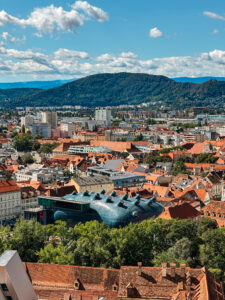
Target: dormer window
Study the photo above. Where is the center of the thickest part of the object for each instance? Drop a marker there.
(115, 287)
(77, 284)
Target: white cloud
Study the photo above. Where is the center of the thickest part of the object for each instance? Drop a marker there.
(93, 11)
(67, 63)
(8, 37)
(70, 54)
(213, 15)
(50, 18)
(215, 31)
(155, 33)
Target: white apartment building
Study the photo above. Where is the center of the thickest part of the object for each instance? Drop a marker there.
(49, 117)
(69, 128)
(103, 115)
(10, 202)
(26, 121)
(40, 173)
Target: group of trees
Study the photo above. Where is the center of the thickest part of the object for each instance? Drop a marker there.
(27, 143)
(152, 160)
(95, 244)
(168, 150)
(179, 166)
(186, 125)
(48, 147)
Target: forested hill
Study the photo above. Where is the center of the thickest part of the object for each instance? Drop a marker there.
(7, 96)
(125, 88)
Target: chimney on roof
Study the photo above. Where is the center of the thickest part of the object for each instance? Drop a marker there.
(182, 270)
(173, 269)
(139, 268)
(188, 284)
(164, 265)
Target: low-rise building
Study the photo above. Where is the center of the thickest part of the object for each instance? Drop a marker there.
(40, 173)
(111, 209)
(92, 184)
(10, 202)
(120, 179)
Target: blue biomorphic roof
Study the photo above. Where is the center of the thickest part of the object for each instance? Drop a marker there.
(117, 210)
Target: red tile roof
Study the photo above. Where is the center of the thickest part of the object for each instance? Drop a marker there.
(183, 211)
(54, 282)
(8, 186)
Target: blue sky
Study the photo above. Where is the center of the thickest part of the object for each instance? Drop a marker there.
(53, 39)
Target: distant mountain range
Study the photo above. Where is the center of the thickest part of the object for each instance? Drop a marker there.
(197, 79)
(54, 83)
(120, 88)
(34, 84)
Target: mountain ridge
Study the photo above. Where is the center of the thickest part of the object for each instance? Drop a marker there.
(113, 89)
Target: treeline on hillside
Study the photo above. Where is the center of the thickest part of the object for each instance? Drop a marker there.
(125, 88)
(95, 244)
(7, 94)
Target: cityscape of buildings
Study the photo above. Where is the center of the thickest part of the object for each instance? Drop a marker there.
(117, 166)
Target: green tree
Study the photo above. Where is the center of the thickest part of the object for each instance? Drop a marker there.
(138, 137)
(23, 143)
(212, 251)
(183, 250)
(179, 168)
(28, 238)
(36, 145)
(38, 137)
(206, 224)
(5, 235)
(206, 158)
(48, 147)
(28, 158)
(91, 247)
(23, 129)
(57, 254)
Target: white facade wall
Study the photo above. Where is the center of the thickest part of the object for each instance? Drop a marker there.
(49, 117)
(10, 205)
(28, 120)
(103, 115)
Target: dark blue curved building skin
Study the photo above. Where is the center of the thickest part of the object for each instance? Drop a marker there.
(111, 209)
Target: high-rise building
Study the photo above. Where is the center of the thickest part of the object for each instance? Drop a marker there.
(26, 121)
(103, 115)
(40, 128)
(49, 117)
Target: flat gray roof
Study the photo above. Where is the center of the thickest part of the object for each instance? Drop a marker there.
(83, 181)
(6, 257)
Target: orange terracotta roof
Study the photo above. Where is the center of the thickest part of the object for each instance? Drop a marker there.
(8, 186)
(201, 194)
(115, 146)
(217, 207)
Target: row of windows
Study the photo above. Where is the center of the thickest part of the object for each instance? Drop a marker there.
(5, 197)
(9, 204)
(212, 214)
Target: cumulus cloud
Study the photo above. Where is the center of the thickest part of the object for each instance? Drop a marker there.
(51, 18)
(70, 54)
(92, 11)
(68, 63)
(155, 33)
(213, 15)
(8, 37)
